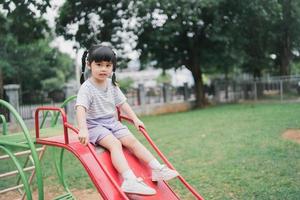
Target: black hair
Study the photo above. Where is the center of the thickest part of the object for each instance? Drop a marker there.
(99, 53)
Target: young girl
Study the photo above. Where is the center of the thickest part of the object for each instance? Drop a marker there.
(96, 104)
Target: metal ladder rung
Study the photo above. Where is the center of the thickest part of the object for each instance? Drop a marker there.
(21, 153)
(16, 172)
(64, 197)
(69, 197)
(11, 188)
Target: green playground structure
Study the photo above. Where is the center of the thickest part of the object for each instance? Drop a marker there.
(17, 145)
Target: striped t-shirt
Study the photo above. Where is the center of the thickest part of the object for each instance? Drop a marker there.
(99, 102)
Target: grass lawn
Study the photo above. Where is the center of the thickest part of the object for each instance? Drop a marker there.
(225, 152)
(233, 151)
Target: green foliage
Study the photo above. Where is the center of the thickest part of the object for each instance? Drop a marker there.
(25, 55)
(189, 35)
(125, 83)
(99, 21)
(36, 65)
(261, 28)
(23, 19)
(93, 22)
(164, 78)
(186, 36)
(54, 82)
(205, 36)
(287, 39)
(295, 68)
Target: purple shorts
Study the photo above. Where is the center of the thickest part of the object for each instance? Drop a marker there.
(101, 127)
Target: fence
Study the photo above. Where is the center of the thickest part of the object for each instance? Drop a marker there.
(221, 91)
(279, 89)
(27, 111)
(135, 97)
(160, 94)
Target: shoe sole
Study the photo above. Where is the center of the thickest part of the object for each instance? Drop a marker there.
(137, 193)
(166, 179)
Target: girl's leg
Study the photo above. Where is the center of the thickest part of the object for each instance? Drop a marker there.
(138, 149)
(159, 172)
(114, 146)
(131, 184)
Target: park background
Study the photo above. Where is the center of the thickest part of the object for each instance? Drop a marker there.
(241, 52)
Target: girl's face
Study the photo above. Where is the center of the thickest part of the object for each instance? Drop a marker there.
(100, 71)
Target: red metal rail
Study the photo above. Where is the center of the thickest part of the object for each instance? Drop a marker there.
(144, 132)
(91, 148)
(66, 138)
(47, 108)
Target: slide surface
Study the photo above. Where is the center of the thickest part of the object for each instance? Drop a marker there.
(99, 168)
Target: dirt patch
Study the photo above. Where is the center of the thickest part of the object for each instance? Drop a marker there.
(86, 194)
(292, 134)
(89, 194)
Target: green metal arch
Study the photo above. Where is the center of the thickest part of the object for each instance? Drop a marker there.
(45, 115)
(59, 162)
(21, 172)
(4, 129)
(60, 170)
(62, 106)
(34, 154)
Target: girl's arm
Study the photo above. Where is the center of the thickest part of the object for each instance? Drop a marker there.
(125, 107)
(81, 120)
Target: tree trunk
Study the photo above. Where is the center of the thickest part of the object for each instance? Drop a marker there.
(285, 57)
(193, 64)
(226, 82)
(257, 77)
(199, 88)
(285, 44)
(1, 85)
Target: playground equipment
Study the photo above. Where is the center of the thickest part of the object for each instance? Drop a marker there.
(21, 141)
(96, 162)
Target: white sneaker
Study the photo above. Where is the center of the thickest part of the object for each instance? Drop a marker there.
(163, 174)
(137, 186)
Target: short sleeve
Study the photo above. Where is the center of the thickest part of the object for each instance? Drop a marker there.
(119, 97)
(83, 98)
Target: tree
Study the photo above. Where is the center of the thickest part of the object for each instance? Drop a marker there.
(164, 78)
(16, 19)
(125, 84)
(93, 22)
(25, 55)
(287, 37)
(35, 66)
(251, 23)
(168, 35)
(21, 17)
(176, 36)
(263, 28)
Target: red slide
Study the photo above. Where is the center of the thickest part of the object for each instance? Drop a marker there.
(99, 167)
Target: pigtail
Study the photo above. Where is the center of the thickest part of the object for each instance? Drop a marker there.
(114, 79)
(83, 62)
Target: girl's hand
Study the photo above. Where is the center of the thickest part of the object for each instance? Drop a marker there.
(83, 136)
(137, 123)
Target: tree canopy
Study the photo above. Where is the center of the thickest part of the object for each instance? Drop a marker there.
(191, 35)
(93, 22)
(204, 36)
(26, 57)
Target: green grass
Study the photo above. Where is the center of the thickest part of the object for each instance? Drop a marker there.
(224, 152)
(233, 151)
